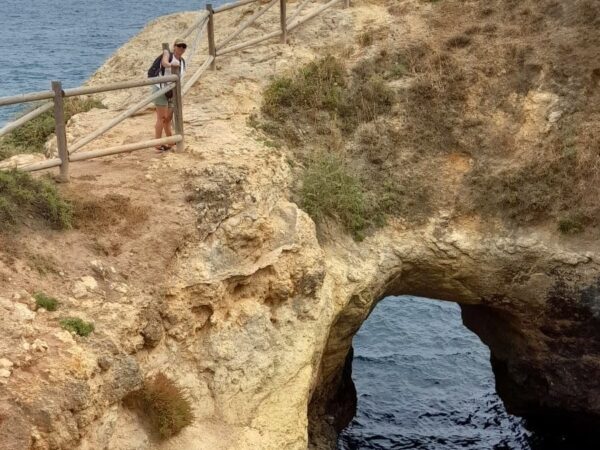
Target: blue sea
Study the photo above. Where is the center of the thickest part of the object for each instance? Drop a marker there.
(67, 40)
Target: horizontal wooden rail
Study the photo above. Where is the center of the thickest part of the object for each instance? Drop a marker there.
(245, 25)
(26, 118)
(229, 6)
(46, 164)
(198, 23)
(121, 85)
(298, 10)
(250, 43)
(312, 14)
(25, 98)
(192, 50)
(135, 108)
(274, 34)
(55, 162)
(197, 74)
(125, 148)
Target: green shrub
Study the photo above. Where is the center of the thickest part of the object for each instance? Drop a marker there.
(46, 302)
(572, 224)
(31, 137)
(165, 405)
(330, 189)
(318, 85)
(21, 196)
(75, 324)
(323, 85)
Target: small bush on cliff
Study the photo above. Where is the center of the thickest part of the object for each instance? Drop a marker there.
(76, 325)
(46, 302)
(31, 137)
(165, 405)
(22, 197)
(330, 189)
(318, 85)
(572, 224)
(323, 85)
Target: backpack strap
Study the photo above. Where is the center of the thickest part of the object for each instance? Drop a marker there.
(162, 68)
(171, 55)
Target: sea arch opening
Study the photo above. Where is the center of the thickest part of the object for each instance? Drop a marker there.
(423, 380)
(503, 325)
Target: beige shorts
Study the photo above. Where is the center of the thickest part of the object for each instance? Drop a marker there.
(162, 100)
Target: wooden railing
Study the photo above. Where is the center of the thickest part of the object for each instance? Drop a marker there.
(205, 21)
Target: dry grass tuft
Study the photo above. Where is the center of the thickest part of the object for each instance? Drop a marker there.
(165, 405)
(112, 210)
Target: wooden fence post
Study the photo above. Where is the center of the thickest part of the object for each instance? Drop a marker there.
(178, 107)
(60, 130)
(212, 48)
(283, 19)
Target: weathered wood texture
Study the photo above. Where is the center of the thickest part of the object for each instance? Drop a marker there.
(26, 118)
(246, 24)
(126, 148)
(60, 130)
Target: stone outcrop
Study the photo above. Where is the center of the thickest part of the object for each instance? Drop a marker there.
(225, 285)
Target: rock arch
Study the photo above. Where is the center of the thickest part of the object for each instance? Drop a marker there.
(535, 304)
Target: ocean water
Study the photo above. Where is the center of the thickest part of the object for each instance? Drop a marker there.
(424, 381)
(67, 40)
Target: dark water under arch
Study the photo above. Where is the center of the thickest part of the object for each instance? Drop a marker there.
(424, 381)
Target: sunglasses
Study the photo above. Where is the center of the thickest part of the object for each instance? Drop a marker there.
(183, 46)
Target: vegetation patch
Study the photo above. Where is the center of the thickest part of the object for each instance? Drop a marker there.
(166, 407)
(572, 224)
(31, 137)
(23, 197)
(548, 188)
(341, 128)
(386, 64)
(101, 213)
(330, 189)
(44, 301)
(323, 86)
(78, 326)
(318, 85)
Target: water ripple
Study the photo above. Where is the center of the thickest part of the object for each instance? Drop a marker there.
(424, 382)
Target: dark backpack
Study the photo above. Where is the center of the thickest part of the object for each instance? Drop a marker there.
(157, 69)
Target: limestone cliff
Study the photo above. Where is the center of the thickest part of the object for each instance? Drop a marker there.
(199, 265)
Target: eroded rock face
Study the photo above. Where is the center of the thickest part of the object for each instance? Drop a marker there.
(533, 303)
